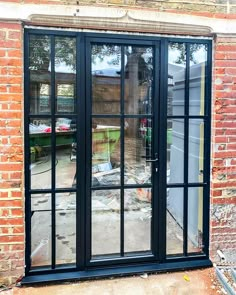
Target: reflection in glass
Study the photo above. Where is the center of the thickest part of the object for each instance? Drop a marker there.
(106, 69)
(195, 219)
(105, 222)
(65, 228)
(174, 233)
(176, 78)
(138, 149)
(105, 152)
(137, 220)
(196, 150)
(40, 153)
(66, 147)
(41, 238)
(138, 80)
(40, 79)
(65, 68)
(198, 54)
(175, 151)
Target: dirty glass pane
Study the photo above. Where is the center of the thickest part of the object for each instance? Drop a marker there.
(138, 149)
(106, 69)
(176, 78)
(41, 238)
(105, 223)
(137, 220)
(175, 151)
(195, 219)
(174, 222)
(105, 152)
(40, 74)
(65, 228)
(196, 150)
(65, 68)
(138, 80)
(66, 147)
(198, 58)
(40, 153)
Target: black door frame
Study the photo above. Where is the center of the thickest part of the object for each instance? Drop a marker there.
(155, 105)
(83, 269)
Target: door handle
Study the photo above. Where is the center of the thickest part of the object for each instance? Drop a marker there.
(152, 160)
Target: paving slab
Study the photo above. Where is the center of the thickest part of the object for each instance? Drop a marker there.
(197, 282)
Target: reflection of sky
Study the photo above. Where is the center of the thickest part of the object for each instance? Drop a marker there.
(199, 55)
(106, 63)
(62, 67)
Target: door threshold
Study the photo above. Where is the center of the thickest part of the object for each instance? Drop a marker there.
(115, 271)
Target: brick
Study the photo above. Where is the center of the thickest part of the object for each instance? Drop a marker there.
(14, 53)
(13, 26)
(14, 35)
(12, 239)
(10, 62)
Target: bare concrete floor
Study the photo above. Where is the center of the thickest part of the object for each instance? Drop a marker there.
(199, 282)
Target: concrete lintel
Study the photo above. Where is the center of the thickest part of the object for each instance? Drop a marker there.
(130, 19)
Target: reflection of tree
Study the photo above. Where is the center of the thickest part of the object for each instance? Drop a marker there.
(181, 47)
(65, 52)
(141, 56)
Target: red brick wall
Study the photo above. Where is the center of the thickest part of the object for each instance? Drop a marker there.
(223, 186)
(11, 153)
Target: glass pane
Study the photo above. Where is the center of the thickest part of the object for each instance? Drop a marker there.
(174, 233)
(138, 80)
(138, 149)
(195, 219)
(105, 222)
(66, 146)
(198, 58)
(106, 69)
(40, 153)
(196, 150)
(176, 78)
(41, 238)
(105, 152)
(40, 76)
(137, 220)
(175, 151)
(65, 68)
(40, 202)
(65, 228)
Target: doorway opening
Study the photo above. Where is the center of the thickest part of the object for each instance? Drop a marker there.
(117, 145)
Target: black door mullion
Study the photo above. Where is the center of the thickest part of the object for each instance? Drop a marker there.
(122, 151)
(88, 146)
(81, 148)
(53, 145)
(155, 149)
(186, 152)
(162, 149)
